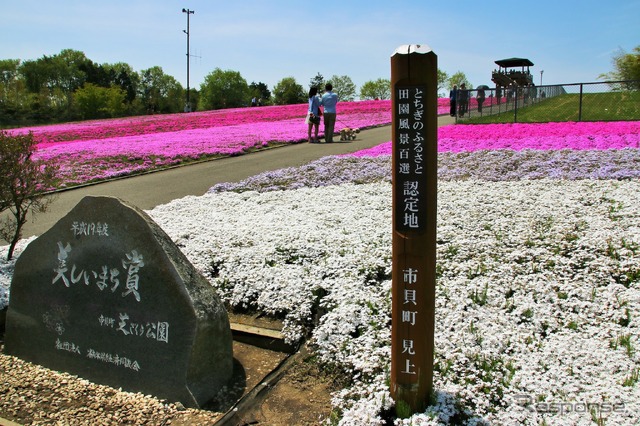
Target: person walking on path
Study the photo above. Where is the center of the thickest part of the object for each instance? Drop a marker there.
(480, 97)
(329, 101)
(453, 94)
(313, 114)
(463, 100)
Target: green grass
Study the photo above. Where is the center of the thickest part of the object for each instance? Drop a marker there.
(612, 106)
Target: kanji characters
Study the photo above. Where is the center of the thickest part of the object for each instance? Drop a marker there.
(105, 277)
(410, 152)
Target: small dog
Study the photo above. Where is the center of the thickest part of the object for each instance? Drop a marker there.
(348, 133)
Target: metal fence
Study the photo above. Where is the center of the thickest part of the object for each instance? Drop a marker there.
(600, 101)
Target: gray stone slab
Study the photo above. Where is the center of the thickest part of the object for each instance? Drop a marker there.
(106, 295)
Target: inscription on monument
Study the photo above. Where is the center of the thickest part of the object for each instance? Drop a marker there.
(106, 295)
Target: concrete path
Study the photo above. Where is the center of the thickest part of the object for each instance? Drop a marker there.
(152, 189)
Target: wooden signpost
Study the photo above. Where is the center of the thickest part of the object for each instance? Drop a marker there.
(414, 162)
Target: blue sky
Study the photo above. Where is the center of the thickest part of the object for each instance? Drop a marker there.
(571, 41)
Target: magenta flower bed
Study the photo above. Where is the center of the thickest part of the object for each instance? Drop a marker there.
(365, 112)
(538, 136)
(144, 125)
(545, 136)
(103, 149)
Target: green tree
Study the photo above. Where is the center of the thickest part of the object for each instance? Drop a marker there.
(223, 89)
(73, 68)
(13, 97)
(100, 102)
(317, 82)
(64, 71)
(95, 73)
(626, 68)
(287, 92)
(378, 89)
(442, 81)
(39, 109)
(261, 91)
(21, 184)
(159, 92)
(123, 76)
(36, 74)
(458, 79)
(48, 79)
(8, 76)
(344, 87)
(194, 98)
(54, 79)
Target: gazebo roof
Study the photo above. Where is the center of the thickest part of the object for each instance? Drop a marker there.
(514, 62)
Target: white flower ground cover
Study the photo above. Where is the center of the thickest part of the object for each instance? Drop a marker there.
(537, 309)
(537, 295)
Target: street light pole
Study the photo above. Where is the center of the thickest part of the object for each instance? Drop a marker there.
(187, 107)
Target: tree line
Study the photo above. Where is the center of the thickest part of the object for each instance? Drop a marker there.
(69, 86)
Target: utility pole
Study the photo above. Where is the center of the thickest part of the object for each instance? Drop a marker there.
(187, 107)
(541, 71)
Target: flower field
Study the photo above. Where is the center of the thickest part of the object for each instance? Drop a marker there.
(540, 137)
(103, 149)
(538, 270)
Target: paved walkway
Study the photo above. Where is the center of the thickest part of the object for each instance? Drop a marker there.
(152, 189)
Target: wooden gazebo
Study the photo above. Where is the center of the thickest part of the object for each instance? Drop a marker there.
(512, 72)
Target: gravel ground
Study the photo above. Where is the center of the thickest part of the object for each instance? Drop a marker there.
(33, 395)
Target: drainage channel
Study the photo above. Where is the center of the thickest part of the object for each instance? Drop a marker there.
(271, 340)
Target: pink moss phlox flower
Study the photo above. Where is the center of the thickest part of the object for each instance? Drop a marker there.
(152, 124)
(542, 136)
(537, 136)
(102, 149)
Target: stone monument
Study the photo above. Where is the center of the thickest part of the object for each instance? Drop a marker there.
(106, 295)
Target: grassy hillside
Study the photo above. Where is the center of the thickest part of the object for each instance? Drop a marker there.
(613, 106)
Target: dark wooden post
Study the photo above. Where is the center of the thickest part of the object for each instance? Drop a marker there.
(414, 161)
